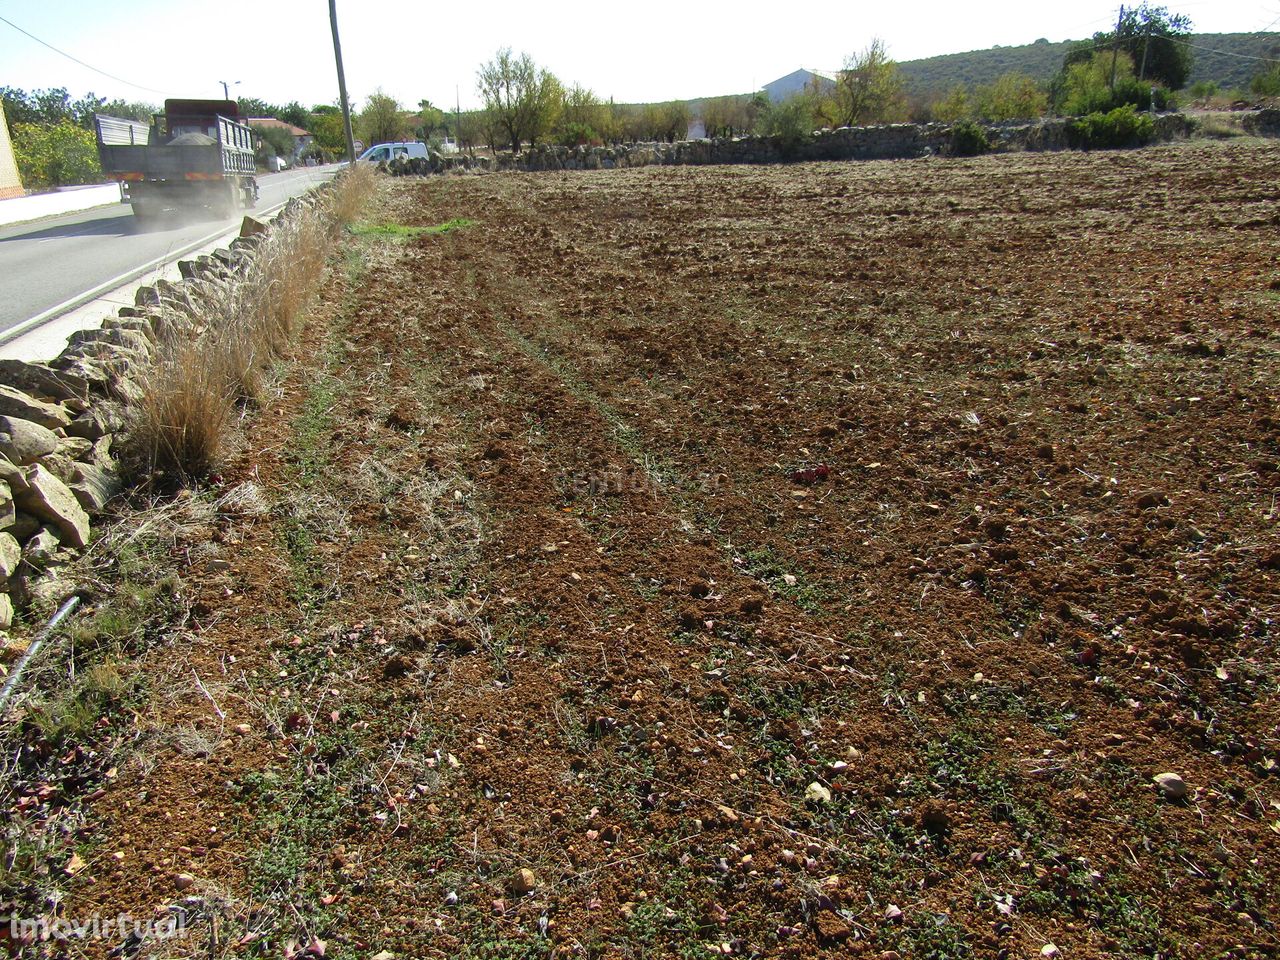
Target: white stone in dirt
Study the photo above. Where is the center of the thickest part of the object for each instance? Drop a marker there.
(24, 442)
(6, 612)
(15, 403)
(10, 556)
(1172, 786)
(817, 793)
(50, 499)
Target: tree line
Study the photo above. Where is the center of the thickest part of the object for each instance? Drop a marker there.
(1141, 63)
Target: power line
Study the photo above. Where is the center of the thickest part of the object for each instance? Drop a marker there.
(1222, 53)
(1106, 44)
(87, 66)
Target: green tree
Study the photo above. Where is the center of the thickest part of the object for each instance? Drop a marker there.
(1101, 84)
(381, 120)
(253, 107)
(294, 113)
(431, 119)
(130, 110)
(48, 107)
(328, 133)
(272, 141)
(55, 154)
(727, 116)
(1154, 39)
(1266, 82)
(953, 106)
(521, 98)
(869, 89)
(583, 118)
(789, 122)
(1013, 96)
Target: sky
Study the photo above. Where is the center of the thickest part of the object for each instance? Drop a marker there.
(282, 50)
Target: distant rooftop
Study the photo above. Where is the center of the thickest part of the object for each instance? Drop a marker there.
(273, 122)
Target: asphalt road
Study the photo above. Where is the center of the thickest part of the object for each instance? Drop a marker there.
(54, 261)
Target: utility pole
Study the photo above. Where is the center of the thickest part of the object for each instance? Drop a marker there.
(1146, 45)
(1115, 48)
(342, 84)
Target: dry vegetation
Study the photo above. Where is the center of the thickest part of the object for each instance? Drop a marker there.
(812, 561)
(223, 347)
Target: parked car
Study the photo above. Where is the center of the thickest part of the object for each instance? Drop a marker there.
(389, 151)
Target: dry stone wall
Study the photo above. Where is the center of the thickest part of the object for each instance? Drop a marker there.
(897, 141)
(59, 421)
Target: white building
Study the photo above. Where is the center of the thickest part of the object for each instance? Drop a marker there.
(793, 83)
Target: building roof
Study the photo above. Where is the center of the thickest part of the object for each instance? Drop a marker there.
(795, 82)
(273, 122)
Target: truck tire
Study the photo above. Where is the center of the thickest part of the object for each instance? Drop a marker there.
(146, 215)
(225, 206)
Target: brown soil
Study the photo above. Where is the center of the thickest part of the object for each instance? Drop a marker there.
(804, 561)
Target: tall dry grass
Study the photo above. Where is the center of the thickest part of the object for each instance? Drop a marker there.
(226, 343)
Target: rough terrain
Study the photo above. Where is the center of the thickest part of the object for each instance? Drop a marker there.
(804, 561)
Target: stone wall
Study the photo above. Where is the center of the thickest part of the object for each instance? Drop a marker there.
(897, 141)
(1262, 123)
(59, 421)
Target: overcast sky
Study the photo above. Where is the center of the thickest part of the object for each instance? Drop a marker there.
(281, 50)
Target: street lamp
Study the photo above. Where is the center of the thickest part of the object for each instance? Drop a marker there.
(226, 94)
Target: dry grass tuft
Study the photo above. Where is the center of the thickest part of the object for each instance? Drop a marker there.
(347, 203)
(226, 345)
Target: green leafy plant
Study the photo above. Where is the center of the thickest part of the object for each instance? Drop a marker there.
(968, 139)
(790, 123)
(1121, 127)
(55, 154)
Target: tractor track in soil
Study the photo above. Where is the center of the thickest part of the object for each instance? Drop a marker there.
(805, 561)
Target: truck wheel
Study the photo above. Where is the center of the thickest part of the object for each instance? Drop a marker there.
(224, 208)
(146, 215)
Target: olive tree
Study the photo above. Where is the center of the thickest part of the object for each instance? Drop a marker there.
(381, 120)
(522, 98)
(869, 89)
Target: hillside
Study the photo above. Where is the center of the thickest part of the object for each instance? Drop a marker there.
(1219, 56)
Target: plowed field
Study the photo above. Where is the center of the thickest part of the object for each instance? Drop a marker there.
(801, 561)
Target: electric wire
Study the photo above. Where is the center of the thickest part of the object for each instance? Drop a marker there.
(87, 66)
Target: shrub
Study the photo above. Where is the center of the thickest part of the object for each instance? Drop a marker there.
(968, 139)
(55, 154)
(579, 134)
(1121, 127)
(1267, 82)
(790, 123)
(1087, 87)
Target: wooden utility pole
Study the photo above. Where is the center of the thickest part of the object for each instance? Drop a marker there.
(1115, 47)
(342, 84)
(1146, 45)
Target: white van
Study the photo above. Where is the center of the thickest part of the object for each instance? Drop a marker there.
(389, 151)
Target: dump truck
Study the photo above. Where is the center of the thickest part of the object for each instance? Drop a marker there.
(196, 155)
